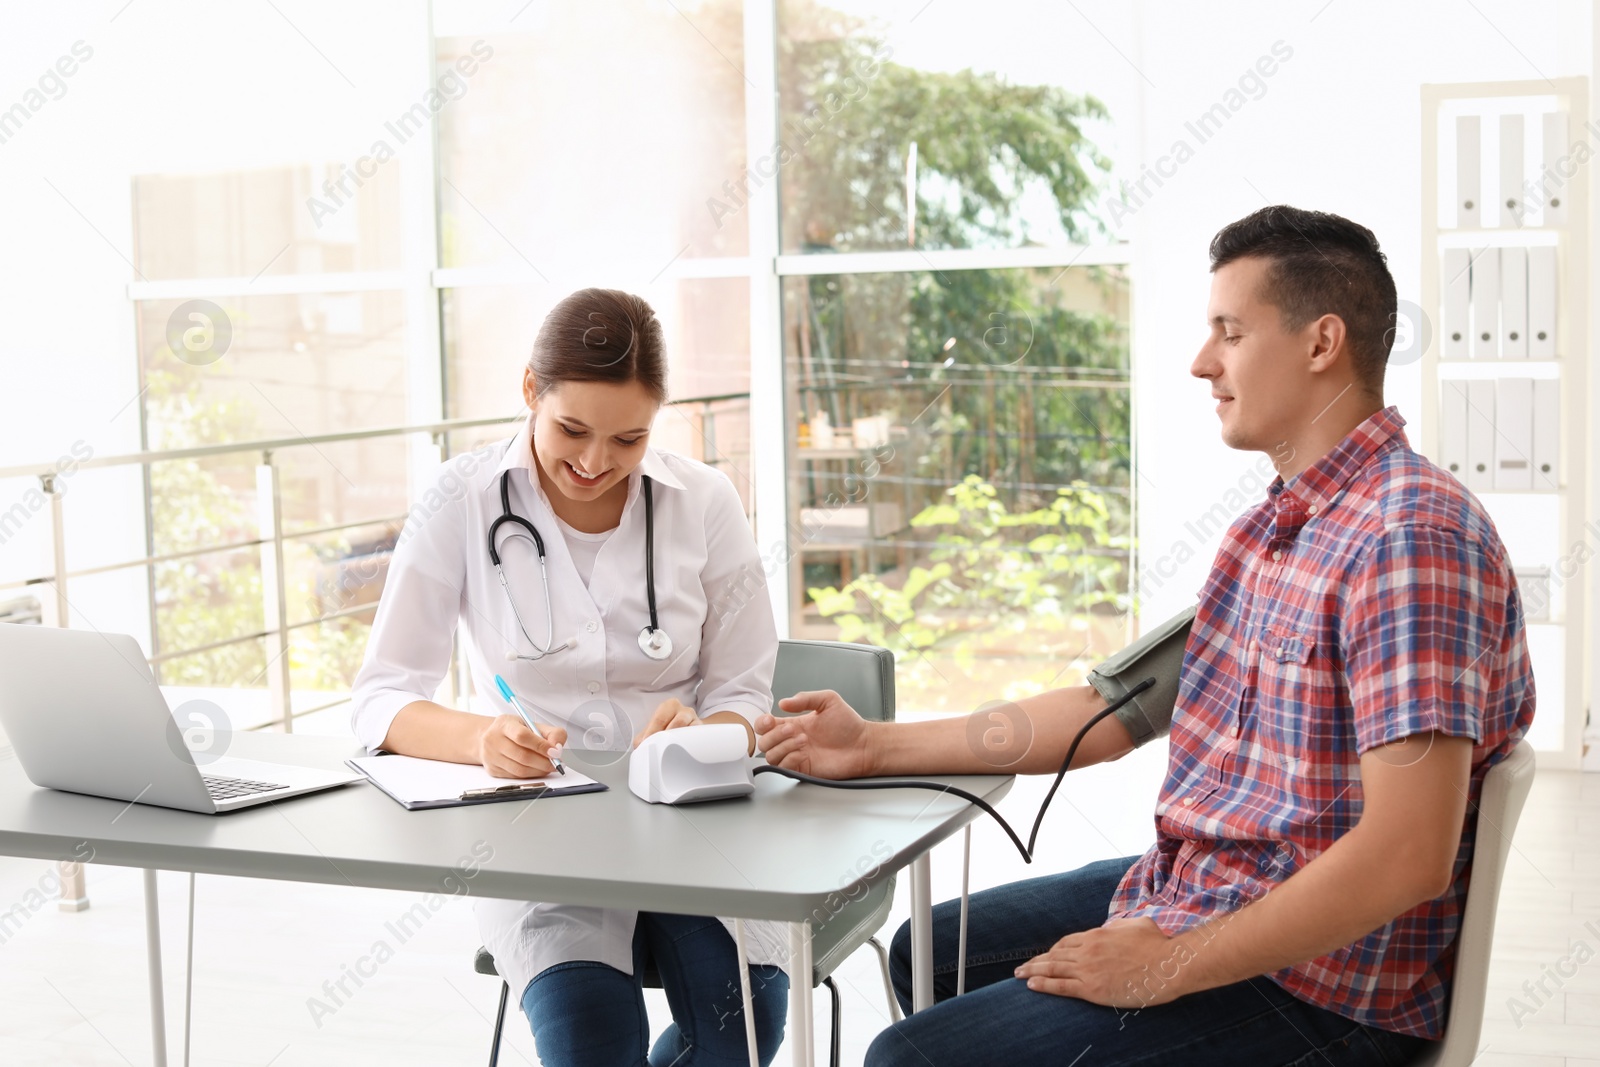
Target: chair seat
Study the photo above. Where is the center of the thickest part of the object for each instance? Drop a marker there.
(835, 940)
(483, 963)
(831, 945)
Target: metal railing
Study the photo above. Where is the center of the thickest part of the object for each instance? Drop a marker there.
(271, 537)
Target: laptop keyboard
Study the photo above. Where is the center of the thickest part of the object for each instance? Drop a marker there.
(222, 788)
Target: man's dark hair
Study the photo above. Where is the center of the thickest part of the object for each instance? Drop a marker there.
(1320, 264)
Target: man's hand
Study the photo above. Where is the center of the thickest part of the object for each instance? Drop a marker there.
(669, 716)
(829, 740)
(1127, 963)
(508, 749)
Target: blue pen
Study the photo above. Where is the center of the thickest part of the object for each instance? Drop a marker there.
(511, 698)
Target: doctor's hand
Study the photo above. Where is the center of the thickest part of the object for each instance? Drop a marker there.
(508, 749)
(829, 740)
(669, 716)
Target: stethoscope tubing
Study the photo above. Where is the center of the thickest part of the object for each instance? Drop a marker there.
(653, 641)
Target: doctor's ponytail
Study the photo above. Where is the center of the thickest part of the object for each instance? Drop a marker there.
(601, 335)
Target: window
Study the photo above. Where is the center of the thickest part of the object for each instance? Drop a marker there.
(960, 473)
(924, 397)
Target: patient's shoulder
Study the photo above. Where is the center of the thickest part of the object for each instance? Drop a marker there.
(1403, 488)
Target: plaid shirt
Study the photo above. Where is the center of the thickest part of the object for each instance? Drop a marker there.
(1366, 599)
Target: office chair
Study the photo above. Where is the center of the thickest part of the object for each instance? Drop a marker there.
(864, 677)
(1505, 788)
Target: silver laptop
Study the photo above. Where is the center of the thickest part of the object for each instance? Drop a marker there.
(83, 712)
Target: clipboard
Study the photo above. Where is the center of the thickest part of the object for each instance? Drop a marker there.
(420, 784)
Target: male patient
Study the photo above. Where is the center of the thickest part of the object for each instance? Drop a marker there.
(1356, 664)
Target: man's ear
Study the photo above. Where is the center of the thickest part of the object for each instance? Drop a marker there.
(1328, 343)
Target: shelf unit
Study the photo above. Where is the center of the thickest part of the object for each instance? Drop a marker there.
(1558, 647)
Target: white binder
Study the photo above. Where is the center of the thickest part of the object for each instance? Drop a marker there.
(1513, 436)
(1534, 585)
(1514, 303)
(1453, 427)
(1542, 303)
(1480, 436)
(1555, 146)
(1457, 286)
(1485, 303)
(1546, 434)
(1469, 172)
(1513, 207)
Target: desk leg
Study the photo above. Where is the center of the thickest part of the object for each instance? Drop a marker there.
(922, 932)
(152, 942)
(744, 995)
(188, 978)
(961, 937)
(800, 994)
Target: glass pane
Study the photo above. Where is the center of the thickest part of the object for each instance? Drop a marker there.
(341, 482)
(258, 154)
(248, 368)
(202, 600)
(960, 473)
(338, 572)
(489, 332)
(637, 170)
(999, 139)
(324, 659)
(253, 223)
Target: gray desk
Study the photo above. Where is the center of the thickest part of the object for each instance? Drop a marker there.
(782, 854)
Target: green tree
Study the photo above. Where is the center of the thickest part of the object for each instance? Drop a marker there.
(206, 598)
(195, 504)
(993, 576)
(1037, 394)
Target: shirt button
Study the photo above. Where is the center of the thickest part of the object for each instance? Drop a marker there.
(594, 687)
(591, 626)
(1187, 801)
(1276, 555)
(1312, 510)
(1234, 731)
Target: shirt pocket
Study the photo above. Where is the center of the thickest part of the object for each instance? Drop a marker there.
(1286, 693)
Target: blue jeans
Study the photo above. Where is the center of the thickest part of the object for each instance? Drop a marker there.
(587, 1014)
(999, 1020)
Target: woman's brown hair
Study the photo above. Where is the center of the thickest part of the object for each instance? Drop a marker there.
(601, 335)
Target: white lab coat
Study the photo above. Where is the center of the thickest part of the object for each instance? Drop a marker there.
(712, 601)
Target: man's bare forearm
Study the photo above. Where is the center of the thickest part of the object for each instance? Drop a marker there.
(1022, 737)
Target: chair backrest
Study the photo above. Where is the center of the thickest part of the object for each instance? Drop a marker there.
(862, 674)
(1505, 788)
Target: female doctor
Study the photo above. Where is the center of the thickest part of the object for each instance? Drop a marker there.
(581, 644)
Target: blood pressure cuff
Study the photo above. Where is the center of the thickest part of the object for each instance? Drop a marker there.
(1160, 653)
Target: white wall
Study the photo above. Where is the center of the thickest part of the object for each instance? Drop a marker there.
(1336, 129)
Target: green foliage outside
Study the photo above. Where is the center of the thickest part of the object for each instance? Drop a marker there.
(1037, 390)
(996, 576)
(208, 598)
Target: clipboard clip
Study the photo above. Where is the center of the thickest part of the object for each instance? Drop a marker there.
(515, 789)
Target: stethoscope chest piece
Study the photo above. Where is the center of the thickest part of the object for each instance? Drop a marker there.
(655, 643)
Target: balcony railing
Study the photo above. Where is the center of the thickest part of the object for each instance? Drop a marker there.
(270, 541)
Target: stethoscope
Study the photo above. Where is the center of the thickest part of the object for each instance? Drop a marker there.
(653, 640)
